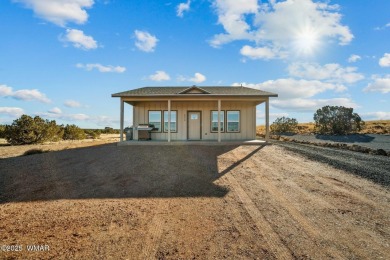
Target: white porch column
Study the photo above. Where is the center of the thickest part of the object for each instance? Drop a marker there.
(169, 120)
(219, 120)
(121, 120)
(267, 119)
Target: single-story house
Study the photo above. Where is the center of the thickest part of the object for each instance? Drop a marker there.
(191, 113)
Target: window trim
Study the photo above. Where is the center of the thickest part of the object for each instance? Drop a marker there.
(177, 121)
(211, 121)
(161, 118)
(239, 121)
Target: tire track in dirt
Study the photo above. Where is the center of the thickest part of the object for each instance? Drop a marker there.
(276, 245)
(309, 228)
(155, 231)
(316, 233)
(335, 186)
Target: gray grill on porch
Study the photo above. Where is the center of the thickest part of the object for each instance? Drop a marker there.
(144, 131)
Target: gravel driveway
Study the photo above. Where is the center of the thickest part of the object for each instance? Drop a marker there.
(375, 168)
(195, 202)
(373, 141)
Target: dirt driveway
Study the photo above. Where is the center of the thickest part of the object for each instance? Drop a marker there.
(189, 202)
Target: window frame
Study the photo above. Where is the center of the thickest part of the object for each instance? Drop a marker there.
(161, 120)
(239, 121)
(177, 123)
(223, 122)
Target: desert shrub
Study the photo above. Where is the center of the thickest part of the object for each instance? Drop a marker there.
(28, 130)
(337, 120)
(92, 133)
(110, 130)
(2, 131)
(284, 125)
(73, 132)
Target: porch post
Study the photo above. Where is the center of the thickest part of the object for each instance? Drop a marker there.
(267, 120)
(169, 120)
(219, 120)
(121, 120)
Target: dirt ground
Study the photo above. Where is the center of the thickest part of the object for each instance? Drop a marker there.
(189, 202)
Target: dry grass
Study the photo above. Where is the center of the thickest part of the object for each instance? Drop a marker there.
(371, 127)
(7, 150)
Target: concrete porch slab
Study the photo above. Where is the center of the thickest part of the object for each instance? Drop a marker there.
(158, 142)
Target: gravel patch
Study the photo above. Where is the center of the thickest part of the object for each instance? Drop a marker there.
(372, 141)
(375, 168)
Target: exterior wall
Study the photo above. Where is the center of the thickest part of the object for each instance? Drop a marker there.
(247, 118)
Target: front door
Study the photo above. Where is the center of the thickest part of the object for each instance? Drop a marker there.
(194, 125)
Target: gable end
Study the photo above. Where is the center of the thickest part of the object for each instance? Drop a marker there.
(194, 90)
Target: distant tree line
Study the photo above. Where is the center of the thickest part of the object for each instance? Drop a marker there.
(335, 120)
(33, 130)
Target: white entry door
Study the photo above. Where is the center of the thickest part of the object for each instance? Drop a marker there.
(194, 125)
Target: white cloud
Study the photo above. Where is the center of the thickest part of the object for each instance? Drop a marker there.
(183, 7)
(311, 105)
(231, 15)
(72, 103)
(30, 95)
(98, 120)
(331, 72)
(379, 85)
(59, 12)
(55, 110)
(354, 58)
(66, 117)
(101, 68)
(5, 91)
(290, 27)
(79, 40)
(264, 53)
(145, 41)
(11, 111)
(298, 95)
(260, 114)
(24, 94)
(385, 60)
(293, 88)
(379, 115)
(382, 27)
(198, 78)
(159, 76)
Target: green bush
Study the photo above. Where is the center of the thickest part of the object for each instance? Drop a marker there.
(28, 130)
(337, 120)
(93, 133)
(2, 131)
(73, 132)
(284, 125)
(110, 130)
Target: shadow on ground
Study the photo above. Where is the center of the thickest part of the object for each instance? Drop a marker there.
(355, 138)
(109, 171)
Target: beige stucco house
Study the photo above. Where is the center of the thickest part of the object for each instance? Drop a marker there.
(191, 113)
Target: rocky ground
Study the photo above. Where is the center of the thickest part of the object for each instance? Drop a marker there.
(279, 201)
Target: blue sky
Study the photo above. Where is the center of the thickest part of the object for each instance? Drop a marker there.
(62, 59)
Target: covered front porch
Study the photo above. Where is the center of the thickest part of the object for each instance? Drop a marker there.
(183, 106)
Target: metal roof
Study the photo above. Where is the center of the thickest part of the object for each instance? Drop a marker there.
(213, 91)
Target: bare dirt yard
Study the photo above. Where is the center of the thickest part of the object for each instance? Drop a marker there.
(191, 202)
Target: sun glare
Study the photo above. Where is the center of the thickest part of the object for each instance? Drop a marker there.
(306, 41)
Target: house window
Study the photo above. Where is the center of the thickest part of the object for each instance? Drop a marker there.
(233, 121)
(214, 121)
(173, 121)
(155, 120)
